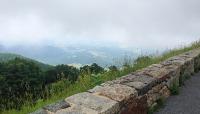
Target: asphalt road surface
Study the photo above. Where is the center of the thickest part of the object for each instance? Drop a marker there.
(187, 102)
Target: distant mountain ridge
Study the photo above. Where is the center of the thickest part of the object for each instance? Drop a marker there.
(4, 57)
(77, 55)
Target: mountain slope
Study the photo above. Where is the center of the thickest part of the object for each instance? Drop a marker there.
(77, 54)
(4, 57)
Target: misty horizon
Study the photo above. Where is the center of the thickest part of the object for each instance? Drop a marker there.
(64, 31)
(126, 24)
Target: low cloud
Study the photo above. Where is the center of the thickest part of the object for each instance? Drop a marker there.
(125, 23)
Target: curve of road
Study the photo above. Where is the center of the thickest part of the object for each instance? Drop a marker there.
(187, 102)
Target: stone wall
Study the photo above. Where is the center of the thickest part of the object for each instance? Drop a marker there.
(134, 93)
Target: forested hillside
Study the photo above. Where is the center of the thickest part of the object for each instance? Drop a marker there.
(23, 81)
(8, 56)
(4, 57)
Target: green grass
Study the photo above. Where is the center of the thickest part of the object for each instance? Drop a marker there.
(174, 89)
(89, 81)
(159, 104)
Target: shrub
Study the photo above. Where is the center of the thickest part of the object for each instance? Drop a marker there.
(174, 89)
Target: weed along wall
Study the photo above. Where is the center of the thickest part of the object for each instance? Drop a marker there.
(140, 92)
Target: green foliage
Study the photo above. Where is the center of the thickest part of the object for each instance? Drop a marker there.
(20, 82)
(8, 56)
(24, 82)
(59, 86)
(5, 57)
(113, 68)
(160, 101)
(61, 71)
(151, 110)
(174, 89)
(67, 72)
(159, 104)
(184, 77)
(92, 69)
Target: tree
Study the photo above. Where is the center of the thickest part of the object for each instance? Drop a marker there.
(113, 68)
(93, 69)
(68, 72)
(85, 69)
(21, 82)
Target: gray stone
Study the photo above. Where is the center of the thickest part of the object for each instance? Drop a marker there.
(72, 112)
(102, 105)
(156, 71)
(157, 92)
(197, 64)
(116, 92)
(174, 75)
(141, 78)
(77, 109)
(187, 69)
(185, 64)
(120, 80)
(137, 85)
(97, 88)
(40, 111)
(159, 73)
(173, 80)
(57, 106)
(138, 80)
(174, 60)
(195, 54)
(141, 83)
(135, 106)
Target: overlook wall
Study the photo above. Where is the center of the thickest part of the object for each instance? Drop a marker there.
(134, 93)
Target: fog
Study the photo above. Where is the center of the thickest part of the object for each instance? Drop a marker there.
(123, 23)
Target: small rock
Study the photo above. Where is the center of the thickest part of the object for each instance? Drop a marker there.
(116, 92)
(57, 106)
(140, 82)
(40, 111)
(102, 105)
(77, 109)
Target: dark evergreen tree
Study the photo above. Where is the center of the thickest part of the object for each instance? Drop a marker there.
(113, 68)
(92, 69)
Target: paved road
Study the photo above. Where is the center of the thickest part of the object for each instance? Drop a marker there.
(187, 102)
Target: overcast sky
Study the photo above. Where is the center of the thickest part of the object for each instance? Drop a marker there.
(125, 23)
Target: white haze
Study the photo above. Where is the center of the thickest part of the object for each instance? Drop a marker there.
(123, 23)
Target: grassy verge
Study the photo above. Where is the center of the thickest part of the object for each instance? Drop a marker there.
(174, 89)
(89, 81)
(159, 104)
